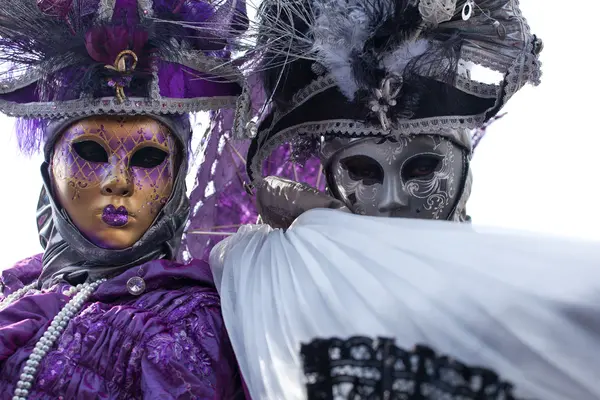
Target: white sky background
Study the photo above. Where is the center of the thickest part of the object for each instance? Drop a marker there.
(537, 168)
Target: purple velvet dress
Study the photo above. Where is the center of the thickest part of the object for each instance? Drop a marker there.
(168, 343)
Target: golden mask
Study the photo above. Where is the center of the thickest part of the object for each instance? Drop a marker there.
(113, 175)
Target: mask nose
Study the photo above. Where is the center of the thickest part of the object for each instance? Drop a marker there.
(394, 196)
(118, 182)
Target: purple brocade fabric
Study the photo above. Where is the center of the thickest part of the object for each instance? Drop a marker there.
(21, 274)
(168, 343)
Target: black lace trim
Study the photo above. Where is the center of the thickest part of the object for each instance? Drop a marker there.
(377, 369)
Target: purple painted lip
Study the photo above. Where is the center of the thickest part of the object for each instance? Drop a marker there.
(115, 216)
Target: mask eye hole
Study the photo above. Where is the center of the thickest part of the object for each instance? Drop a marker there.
(363, 168)
(90, 151)
(148, 157)
(420, 167)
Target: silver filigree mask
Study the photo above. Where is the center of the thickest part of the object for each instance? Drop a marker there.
(418, 176)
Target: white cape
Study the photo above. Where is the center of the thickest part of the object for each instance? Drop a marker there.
(525, 306)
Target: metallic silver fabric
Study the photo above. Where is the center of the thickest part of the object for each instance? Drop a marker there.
(280, 201)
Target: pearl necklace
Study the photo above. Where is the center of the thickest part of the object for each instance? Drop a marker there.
(17, 295)
(59, 323)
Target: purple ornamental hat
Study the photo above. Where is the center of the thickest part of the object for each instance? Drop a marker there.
(72, 58)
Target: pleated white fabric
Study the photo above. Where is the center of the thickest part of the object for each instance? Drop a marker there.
(524, 305)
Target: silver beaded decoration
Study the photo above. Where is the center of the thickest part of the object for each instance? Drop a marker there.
(467, 10)
(136, 285)
(251, 129)
(318, 69)
(385, 97)
(57, 326)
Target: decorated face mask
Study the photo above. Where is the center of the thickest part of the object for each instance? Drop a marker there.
(113, 176)
(410, 177)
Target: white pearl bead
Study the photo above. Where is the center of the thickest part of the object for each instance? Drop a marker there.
(20, 384)
(16, 397)
(27, 385)
(24, 393)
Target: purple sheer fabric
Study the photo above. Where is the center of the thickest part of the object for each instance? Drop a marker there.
(167, 343)
(219, 200)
